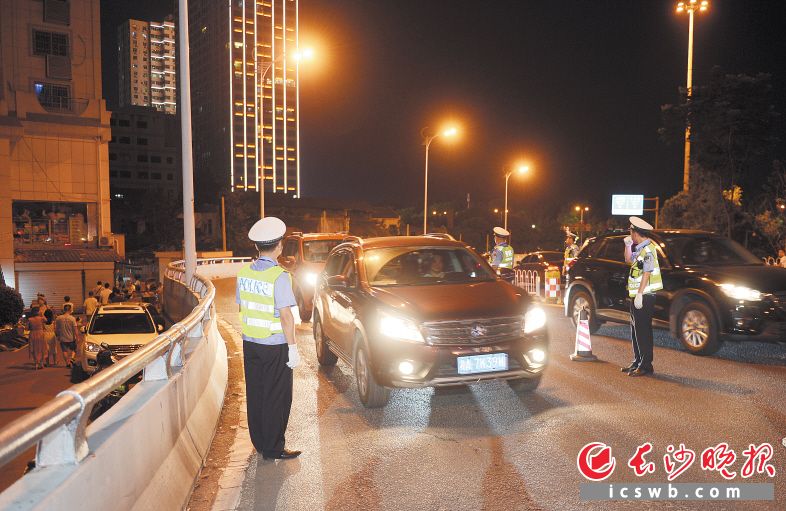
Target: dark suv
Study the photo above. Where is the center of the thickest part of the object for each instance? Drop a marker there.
(424, 311)
(304, 255)
(713, 288)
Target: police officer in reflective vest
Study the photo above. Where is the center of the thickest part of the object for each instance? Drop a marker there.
(644, 280)
(502, 255)
(264, 292)
(571, 250)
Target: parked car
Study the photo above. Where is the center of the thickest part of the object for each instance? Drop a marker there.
(125, 327)
(542, 261)
(424, 311)
(304, 255)
(713, 289)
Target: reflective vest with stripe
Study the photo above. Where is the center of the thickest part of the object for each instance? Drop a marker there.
(570, 253)
(507, 256)
(636, 273)
(257, 303)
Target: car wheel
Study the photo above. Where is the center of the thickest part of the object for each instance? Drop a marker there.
(372, 394)
(581, 300)
(305, 313)
(525, 384)
(324, 355)
(697, 329)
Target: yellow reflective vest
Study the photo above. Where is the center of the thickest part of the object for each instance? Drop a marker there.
(636, 273)
(257, 303)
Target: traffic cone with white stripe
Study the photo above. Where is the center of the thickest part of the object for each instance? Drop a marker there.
(583, 351)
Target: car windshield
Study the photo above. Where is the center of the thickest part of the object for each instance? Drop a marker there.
(708, 250)
(553, 257)
(122, 323)
(317, 251)
(418, 266)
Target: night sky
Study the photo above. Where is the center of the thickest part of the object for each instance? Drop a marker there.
(575, 87)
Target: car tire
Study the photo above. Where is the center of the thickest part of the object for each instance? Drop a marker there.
(325, 357)
(525, 384)
(697, 328)
(581, 299)
(372, 394)
(305, 314)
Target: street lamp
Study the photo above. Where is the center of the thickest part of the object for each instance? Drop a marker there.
(581, 210)
(521, 169)
(297, 55)
(427, 140)
(691, 6)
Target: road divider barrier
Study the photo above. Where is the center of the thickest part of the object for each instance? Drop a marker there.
(529, 281)
(583, 349)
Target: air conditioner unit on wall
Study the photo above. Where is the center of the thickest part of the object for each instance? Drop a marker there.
(58, 66)
(104, 241)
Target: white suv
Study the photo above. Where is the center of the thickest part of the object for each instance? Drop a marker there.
(125, 327)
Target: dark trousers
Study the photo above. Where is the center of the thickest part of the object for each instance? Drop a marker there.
(641, 332)
(268, 395)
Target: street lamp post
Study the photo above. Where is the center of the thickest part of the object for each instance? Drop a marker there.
(427, 140)
(298, 55)
(691, 6)
(189, 222)
(521, 169)
(581, 210)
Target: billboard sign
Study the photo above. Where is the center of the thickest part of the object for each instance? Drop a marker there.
(627, 205)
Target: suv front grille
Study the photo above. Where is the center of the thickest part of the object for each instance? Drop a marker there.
(123, 350)
(472, 332)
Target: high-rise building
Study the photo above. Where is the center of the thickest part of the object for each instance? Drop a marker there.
(147, 68)
(55, 232)
(244, 79)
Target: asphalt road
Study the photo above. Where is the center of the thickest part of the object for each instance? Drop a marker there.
(21, 390)
(485, 447)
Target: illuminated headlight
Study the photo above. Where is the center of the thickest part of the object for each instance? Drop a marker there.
(92, 347)
(741, 292)
(534, 319)
(399, 328)
(406, 368)
(310, 278)
(537, 355)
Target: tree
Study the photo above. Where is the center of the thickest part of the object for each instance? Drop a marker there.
(770, 208)
(11, 305)
(702, 207)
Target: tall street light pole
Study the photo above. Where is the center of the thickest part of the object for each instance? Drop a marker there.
(427, 140)
(306, 54)
(521, 169)
(690, 7)
(189, 223)
(581, 210)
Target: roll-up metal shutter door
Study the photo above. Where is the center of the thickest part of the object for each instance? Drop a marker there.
(54, 284)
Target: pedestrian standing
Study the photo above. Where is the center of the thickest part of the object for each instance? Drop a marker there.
(644, 280)
(104, 295)
(502, 255)
(67, 303)
(265, 296)
(98, 288)
(66, 331)
(781, 258)
(49, 332)
(36, 338)
(91, 304)
(571, 250)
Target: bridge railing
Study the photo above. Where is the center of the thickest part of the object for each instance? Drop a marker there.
(58, 427)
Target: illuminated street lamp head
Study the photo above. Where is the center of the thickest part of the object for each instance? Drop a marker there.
(304, 54)
(450, 132)
(693, 6)
(522, 169)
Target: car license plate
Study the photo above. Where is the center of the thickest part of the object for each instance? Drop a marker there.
(482, 363)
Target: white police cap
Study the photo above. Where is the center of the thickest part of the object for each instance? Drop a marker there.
(638, 223)
(267, 230)
(503, 233)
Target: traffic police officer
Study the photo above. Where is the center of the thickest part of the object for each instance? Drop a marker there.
(502, 255)
(571, 250)
(644, 280)
(264, 292)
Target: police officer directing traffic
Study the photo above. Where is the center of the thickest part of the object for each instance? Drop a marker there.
(264, 292)
(644, 280)
(502, 255)
(571, 250)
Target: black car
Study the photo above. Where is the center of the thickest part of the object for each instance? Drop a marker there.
(542, 261)
(424, 311)
(713, 289)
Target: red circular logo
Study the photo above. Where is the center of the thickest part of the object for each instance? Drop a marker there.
(595, 461)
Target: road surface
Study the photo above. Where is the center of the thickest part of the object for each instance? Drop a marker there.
(485, 447)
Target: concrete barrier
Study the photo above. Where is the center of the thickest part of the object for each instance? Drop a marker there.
(145, 452)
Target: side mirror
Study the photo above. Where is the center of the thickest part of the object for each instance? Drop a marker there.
(338, 282)
(160, 328)
(83, 329)
(287, 260)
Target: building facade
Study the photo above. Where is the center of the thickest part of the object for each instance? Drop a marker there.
(244, 78)
(55, 232)
(147, 64)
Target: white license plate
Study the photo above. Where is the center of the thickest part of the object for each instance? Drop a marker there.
(482, 363)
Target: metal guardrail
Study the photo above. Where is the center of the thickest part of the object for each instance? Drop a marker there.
(529, 281)
(58, 427)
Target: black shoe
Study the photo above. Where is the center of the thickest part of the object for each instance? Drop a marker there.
(286, 454)
(640, 372)
(628, 369)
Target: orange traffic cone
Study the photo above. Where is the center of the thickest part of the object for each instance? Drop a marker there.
(583, 351)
